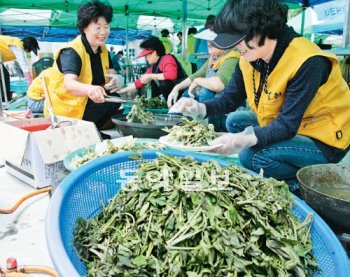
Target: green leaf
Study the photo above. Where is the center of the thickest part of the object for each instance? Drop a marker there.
(195, 198)
(125, 261)
(140, 261)
(144, 208)
(232, 215)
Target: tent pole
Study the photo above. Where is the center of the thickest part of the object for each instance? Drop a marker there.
(3, 83)
(127, 44)
(184, 27)
(302, 20)
(346, 29)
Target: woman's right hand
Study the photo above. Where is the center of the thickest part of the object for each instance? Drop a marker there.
(174, 94)
(96, 94)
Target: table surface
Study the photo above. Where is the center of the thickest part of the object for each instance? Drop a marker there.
(339, 51)
(22, 233)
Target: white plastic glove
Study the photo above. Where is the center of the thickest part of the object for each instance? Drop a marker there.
(115, 83)
(234, 143)
(174, 94)
(189, 107)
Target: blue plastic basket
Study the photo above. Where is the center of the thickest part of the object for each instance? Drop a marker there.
(80, 195)
(19, 86)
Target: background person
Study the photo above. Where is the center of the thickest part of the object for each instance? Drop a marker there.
(12, 48)
(191, 40)
(111, 52)
(80, 78)
(117, 61)
(165, 39)
(299, 101)
(179, 46)
(163, 74)
(190, 47)
(210, 80)
(200, 45)
(35, 93)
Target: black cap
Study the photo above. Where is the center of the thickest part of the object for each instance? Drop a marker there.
(227, 40)
(31, 44)
(222, 40)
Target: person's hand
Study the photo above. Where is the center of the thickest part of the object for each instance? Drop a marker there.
(146, 78)
(193, 89)
(115, 83)
(172, 98)
(96, 94)
(234, 143)
(189, 107)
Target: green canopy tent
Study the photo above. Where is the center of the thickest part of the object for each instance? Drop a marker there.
(62, 13)
(126, 13)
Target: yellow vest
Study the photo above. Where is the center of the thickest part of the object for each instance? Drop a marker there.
(35, 90)
(63, 102)
(231, 54)
(167, 44)
(327, 118)
(190, 44)
(5, 42)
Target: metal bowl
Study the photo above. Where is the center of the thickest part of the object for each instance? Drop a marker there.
(141, 130)
(326, 188)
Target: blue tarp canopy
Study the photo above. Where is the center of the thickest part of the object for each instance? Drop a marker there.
(58, 34)
(307, 3)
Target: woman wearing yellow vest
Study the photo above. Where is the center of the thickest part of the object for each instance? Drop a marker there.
(299, 101)
(12, 48)
(210, 80)
(35, 93)
(81, 75)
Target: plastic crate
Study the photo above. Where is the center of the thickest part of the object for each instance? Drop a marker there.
(80, 195)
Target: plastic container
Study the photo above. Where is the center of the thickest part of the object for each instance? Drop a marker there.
(36, 128)
(19, 86)
(80, 195)
(140, 130)
(326, 188)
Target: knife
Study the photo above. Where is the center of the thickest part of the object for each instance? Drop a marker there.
(116, 99)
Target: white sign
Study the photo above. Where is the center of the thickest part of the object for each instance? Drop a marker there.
(330, 10)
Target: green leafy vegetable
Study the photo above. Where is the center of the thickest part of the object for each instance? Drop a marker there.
(192, 133)
(193, 219)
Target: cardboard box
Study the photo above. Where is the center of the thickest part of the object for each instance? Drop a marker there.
(33, 152)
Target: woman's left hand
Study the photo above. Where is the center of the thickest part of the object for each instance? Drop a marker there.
(234, 143)
(115, 82)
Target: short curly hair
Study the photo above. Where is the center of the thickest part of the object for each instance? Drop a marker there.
(266, 18)
(155, 44)
(91, 12)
